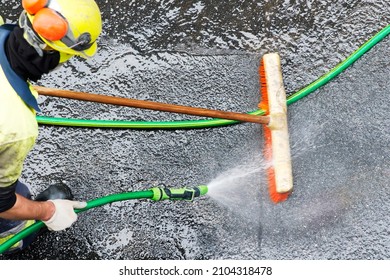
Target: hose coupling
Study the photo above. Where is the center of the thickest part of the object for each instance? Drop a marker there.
(185, 193)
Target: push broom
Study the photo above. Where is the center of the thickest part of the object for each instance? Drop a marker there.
(276, 143)
(277, 149)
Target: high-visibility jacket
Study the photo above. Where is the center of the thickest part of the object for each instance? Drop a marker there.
(18, 127)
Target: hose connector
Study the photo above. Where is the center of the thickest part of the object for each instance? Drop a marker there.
(185, 193)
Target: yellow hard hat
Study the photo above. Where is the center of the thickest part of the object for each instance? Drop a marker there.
(68, 26)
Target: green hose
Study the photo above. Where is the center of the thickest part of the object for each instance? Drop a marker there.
(340, 67)
(155, 194)
(218, 122)
(90, 204)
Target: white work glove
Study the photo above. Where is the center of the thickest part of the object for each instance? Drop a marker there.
(64, 215)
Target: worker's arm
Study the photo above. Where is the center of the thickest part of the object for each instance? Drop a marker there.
(57, 214)
(26, 209)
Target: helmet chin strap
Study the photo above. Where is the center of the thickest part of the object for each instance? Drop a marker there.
(25, 59)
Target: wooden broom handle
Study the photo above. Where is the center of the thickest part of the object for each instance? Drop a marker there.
(151, 105)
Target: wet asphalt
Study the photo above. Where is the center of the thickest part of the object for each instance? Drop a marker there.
(207, 55)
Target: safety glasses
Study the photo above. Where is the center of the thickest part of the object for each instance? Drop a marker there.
(51, 25)
(30, 35)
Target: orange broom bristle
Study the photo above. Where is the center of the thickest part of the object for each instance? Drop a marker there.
(274, 195)
(263, 88)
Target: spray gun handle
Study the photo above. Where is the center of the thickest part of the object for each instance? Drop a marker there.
(164, 193)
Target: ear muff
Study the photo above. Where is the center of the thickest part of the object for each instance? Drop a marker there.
(33, 6)
(50, 25)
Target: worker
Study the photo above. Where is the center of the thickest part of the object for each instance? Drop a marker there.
(49, 33)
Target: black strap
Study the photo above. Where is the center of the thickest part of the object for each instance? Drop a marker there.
(7, 197)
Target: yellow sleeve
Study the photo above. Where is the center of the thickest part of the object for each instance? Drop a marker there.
(18, 133)
(12, 156)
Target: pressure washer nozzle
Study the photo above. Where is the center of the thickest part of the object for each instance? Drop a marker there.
(203, 189)
(185, 193)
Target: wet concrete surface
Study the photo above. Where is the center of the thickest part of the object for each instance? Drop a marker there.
(206, 55)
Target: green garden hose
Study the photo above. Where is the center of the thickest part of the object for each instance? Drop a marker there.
(155, 194)
(340, 67)
(218, 122)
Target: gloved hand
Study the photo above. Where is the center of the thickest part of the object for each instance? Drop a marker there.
(64, 215)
